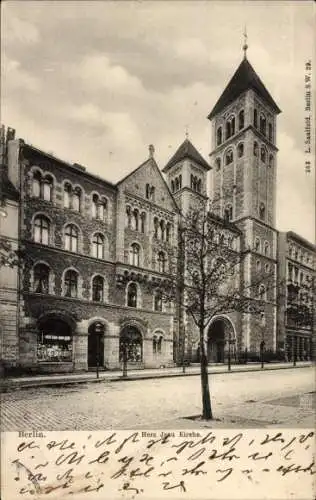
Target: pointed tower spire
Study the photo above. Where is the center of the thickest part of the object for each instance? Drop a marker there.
(245, 46)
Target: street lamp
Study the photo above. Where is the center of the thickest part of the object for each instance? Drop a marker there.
(294, 348)
(124, 352)
(262, 343)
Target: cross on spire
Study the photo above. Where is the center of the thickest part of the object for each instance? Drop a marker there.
(187, 132)
(245, 46)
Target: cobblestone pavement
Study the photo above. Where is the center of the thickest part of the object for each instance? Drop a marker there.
(238, 399)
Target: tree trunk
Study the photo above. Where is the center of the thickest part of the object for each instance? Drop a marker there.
(206, 399)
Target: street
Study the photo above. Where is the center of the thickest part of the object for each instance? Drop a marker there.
(257, 399)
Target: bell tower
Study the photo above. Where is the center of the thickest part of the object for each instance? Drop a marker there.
(243, 187)
(186, 174)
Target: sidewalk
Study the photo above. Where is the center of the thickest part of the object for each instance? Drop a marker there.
(115, 376)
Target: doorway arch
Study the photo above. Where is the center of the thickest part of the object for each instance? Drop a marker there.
(131, 341)
(220, 332)
(96, 344)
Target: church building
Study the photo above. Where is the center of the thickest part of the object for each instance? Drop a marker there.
(98, 253)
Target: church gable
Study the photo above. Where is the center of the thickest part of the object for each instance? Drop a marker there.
(147, 182)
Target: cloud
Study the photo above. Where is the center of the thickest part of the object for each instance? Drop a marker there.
(18, 30)
(14, 76)
(97, 72)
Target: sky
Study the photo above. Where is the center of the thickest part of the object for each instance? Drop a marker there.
(96, 82)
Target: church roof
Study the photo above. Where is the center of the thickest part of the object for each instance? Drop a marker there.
(244, 78)
(186, 150)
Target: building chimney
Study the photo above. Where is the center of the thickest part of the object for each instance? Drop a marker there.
(151, 151)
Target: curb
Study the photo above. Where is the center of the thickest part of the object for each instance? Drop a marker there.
(11, 386)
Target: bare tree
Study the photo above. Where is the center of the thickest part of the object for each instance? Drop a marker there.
(207, 280)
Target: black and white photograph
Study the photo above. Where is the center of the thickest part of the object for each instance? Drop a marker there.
(157, 232)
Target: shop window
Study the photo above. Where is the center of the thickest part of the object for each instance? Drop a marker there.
(98, 289)
(132, 295)
(41, 278)
(98, 246)
(71, 238)
(41, 230)
(71, 283)
(54, 342)
(131, 345)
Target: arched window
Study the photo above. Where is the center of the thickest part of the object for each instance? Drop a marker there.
(48, 188)
(199, 186)
(161, 262)
(218, 164)
(67, 195)
(241, 119)
(219, 136)
(263, 124)
(267, 268)
(94, 207)
(132, 295)
(262, 211)
(257, 245)
(142, 221)
(255, 149)
(102, 208)
(229, 157)
(162, 229)
(76, 199)
(180, 181)
(128, 217)
(98, 246)
(255, 118)
(168, 231)
(41, 278)
(41, 230)
(270, 132)
(156, 225)
(271, 161)
(135, 217)
(176, 184)
(228, 213)
(172, 186)
(36, 185)
(262, 292)
(230, 127)
(266, 248)
(71, 238)
(157, 344)
(258, 265)
(134, 255)
(263, 154)
(158, 301)
(71, 283)
(240, 150)
(98, 289)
